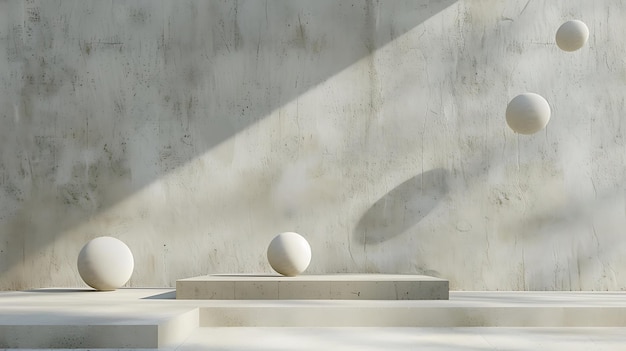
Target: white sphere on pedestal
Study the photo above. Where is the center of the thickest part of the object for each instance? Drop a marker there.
(289, 254)
(572, 35)
(527, 113)
(105, 263)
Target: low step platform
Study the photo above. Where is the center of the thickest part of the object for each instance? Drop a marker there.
(313, 287)
(154, 319)
(88, 319)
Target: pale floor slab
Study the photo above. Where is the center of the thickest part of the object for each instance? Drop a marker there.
(440, 339)
(379, 339)
(132, 306)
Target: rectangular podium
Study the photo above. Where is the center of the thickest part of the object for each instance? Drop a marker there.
(313, 287)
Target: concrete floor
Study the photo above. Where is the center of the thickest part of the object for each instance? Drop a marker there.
(406, 339)
(151, 318)
(440, 339)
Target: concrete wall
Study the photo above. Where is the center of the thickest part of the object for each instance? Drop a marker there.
(195, 131)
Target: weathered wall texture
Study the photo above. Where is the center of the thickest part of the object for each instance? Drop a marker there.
(195, 131)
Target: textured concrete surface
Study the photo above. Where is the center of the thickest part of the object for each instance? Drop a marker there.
(85, 319)
(380, 339)
(315, 287)
(196, 131)
(435, 339)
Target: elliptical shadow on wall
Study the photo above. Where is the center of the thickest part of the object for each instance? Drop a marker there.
(402, 207)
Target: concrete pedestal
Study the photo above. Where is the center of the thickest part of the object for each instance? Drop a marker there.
(316, 287)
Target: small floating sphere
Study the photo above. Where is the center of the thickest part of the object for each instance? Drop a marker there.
(572, 35)
(528, 113)
(289, 254)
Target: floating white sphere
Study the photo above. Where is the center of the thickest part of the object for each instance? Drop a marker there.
(572, 35)
(289, 254)
(528, 113)
(105, 263)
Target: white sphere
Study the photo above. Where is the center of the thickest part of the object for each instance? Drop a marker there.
(572, 35)
(289, 254)
(105, 263)
(528, 113)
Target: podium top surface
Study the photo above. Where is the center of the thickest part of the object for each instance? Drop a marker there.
(316, 278)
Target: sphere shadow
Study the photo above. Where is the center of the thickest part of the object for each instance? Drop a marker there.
(65, 291)
(403, 207)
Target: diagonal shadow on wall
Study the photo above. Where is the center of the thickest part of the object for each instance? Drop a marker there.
(109, 97)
